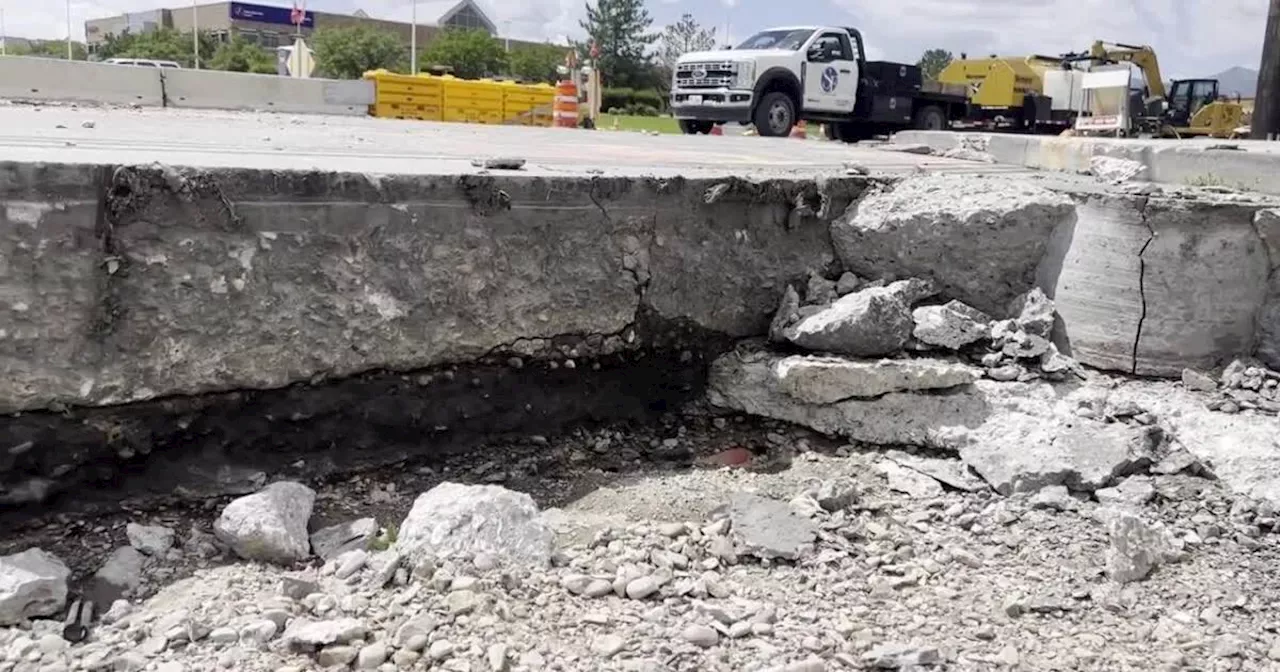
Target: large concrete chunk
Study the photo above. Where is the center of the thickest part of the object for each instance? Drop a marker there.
(1267, 224)
(1017, 452)
(33, 583)
(750, 384)
(825, 380)
(868, 323)
(453, 519)
(1183, 279)
(1136, 547)
(981, 239)
(269, 525)
(951, 326)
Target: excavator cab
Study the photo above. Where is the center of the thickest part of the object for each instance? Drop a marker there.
(1187, 97)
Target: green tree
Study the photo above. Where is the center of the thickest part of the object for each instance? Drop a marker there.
(620, 30)
(240, 55)
(347, 52)
(683, 37)
(471, 53)
(49, 49)
(165, 44)
(933, 62)
(537, 62)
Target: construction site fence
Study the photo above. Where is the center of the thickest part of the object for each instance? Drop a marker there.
(448, 98)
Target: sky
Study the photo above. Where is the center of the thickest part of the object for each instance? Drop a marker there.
(1192, 37)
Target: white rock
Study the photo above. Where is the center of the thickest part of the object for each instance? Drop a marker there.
(701, 636)
(870, 322)
(440, 649)
(1136, 547)
(453, 519)
(1114, 169)
(372, 656)
(909, 481)
(121, 573)
(33, 583)
(897, 656)
(825, 380)
(269, 525)
(315, 634)
(951, 326)
(149, 539)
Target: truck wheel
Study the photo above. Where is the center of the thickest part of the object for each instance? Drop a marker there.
(775, 115)
(929, 118)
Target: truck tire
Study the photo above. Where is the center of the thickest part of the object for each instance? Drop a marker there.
(775, 115)
(929, 118)
(695, 127)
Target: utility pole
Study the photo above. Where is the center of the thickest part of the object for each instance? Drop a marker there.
(1266, 103)
(195, 35)
(3, 48)
(413, 40)
(69, 54)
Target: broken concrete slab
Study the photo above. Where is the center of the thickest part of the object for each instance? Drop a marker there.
(951, 473)
(1132, 492)
(980, 239)
(749, 383)
(768, 528)
(1016, 452)
(908, 481)
(1267, 225)
(953, 325)
(871, 322)
(1033, 312)
(825, 380)
(1240, 449)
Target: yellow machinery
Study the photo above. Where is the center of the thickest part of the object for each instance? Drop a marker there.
(995, 82)
(1022, 90)
(1189, 107)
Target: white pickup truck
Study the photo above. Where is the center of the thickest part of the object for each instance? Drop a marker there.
(781, 76)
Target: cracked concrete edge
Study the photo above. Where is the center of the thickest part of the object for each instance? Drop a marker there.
(1142, 279)
(214, 201)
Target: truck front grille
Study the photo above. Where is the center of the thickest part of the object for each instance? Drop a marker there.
(704, 75)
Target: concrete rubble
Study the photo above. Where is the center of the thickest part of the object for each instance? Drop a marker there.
(453, 519)
(33, 584)
(270, 525)
(933, 476)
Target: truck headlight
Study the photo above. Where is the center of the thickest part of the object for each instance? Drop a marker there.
(746, 75)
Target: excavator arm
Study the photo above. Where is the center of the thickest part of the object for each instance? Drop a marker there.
(1142, 56)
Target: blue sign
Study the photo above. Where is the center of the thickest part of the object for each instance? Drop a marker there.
(829, 79)
(281, 16)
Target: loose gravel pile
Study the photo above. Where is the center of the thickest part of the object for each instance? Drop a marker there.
(842, 561)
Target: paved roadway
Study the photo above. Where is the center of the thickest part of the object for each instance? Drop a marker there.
(281, 141)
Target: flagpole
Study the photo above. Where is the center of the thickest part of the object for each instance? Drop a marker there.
(413, 40)
(69, 57)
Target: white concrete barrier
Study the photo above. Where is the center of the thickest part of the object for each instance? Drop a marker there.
(1244, 164)
(26, 78)
(270, 93)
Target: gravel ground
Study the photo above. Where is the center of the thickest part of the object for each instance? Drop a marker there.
(946, 580)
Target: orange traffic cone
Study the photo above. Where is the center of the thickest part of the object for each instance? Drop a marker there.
(798, 131)
(717, 130)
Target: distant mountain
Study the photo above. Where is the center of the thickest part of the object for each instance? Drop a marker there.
(1237, 81)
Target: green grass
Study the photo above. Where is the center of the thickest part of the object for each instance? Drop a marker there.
(628, 123)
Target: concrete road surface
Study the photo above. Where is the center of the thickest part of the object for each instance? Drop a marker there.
(359, 144)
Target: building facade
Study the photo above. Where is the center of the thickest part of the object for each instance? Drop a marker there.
(271, 26)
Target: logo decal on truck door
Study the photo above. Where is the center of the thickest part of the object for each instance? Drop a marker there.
(829, 79)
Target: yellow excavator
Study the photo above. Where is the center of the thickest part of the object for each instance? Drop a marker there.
(1188, 107)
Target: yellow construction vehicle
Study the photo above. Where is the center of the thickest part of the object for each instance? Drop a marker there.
(1188, 107)
(1011, 91)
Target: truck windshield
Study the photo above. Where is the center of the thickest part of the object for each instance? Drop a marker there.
(789, 40)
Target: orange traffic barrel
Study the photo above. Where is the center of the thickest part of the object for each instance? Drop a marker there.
(798, 131)
(565, 107)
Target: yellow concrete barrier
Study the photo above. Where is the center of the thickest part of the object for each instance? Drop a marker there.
(447, 98)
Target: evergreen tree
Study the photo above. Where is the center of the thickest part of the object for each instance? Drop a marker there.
(620, 31)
